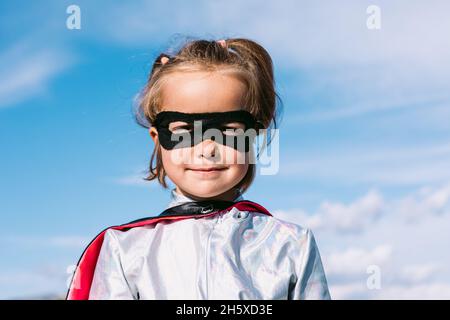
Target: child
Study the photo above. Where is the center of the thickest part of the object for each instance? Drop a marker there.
(209, 243)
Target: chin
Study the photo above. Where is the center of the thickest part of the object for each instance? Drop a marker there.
(205, 192)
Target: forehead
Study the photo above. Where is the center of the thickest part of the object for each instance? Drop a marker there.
(199, 91)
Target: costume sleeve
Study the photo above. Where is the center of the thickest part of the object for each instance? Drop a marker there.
(109, 282)
(311, 281)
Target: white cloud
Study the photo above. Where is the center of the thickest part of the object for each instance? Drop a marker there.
(428, 291)
(63, 241)
(304, 34)
(351, 290)
(372, 209)
(26, 70)
(426, 201)
(356, 260)
(340, 217)
(407, 239)
(33, 283)
(349, 164)
(330, 33)
(135, 179)
(420, 272)
(358, 290)
(429, 109)
(132, 180)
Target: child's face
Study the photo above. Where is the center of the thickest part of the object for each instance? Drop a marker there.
(198, 92)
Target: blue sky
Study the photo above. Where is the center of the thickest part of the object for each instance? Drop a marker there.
(364, 137)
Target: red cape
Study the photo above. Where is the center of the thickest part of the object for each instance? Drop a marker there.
(80, 285)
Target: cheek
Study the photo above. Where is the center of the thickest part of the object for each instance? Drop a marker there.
(174, 158)
(237, 171)
(233, 157)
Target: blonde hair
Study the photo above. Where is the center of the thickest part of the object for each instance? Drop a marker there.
(244, 58)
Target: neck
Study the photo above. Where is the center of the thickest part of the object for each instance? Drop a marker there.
(229, 195)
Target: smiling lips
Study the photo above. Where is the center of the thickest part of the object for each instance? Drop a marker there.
(208, 169)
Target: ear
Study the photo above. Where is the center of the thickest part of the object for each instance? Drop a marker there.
(153, 134)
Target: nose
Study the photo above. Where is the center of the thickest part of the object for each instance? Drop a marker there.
(206, 149)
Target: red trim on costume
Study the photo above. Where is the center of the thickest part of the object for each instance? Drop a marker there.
(80, 285)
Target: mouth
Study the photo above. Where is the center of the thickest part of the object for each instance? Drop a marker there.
(207, 173)
(208, 169)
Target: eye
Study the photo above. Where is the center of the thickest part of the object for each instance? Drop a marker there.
(180, 127)
(234, 128)
(180, 130)
(233, 131)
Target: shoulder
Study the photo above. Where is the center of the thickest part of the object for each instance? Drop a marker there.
(300, 239)
(134, 234)
(126, 237)
(291, 229)
(284, 233)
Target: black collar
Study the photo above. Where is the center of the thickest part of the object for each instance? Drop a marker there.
(197, 208)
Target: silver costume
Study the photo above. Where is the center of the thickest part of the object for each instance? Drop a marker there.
(231, 255)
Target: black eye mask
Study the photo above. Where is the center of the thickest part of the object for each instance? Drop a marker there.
(176, 129)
